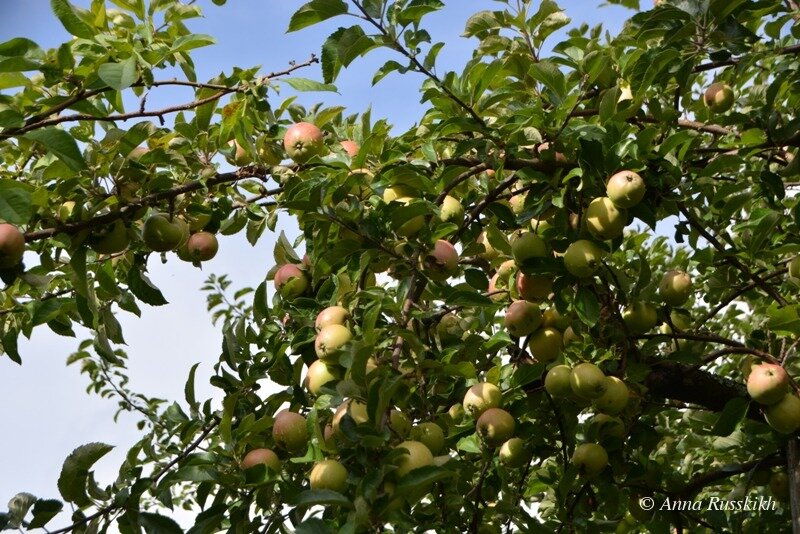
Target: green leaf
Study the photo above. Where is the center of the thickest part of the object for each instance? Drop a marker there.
(322, 497)
(61, 144)
(734, 411)
(191, 41)
(158, 524)
(118, 76)
(465, 297)
(341, 48)
(552, 78)
(188, 389)
(587, 306)
(783, 320)
(43, 511)
(75, 471)
(315, 12)
(70, 17)
(422, 477)
(305, 85)
(143, 289)
(15, 202)
(417, 9)
(18, 508)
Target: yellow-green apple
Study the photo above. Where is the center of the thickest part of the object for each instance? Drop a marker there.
(449, 328)
(290, 281)
(395, 192)
(570, 336)
(517, 203)
(582, 258)
(590, 459)
(202, 246)
(522, 318)
(65, 211)
(418, 455)
(605, 426)
(398, 421)
(110, 239)
(289, 431)
(526, 246)
(330, 341)
(261, 456)
(481, 397)
(162, 234)
(413, 225)
(768, 383)
(675, 287)
(495, 426)
(269, 152)
(604, 219)
(514, 453)
(784, 416)
(794, 267)
(588, 381)
(718, 97)
(303, 141)
(240, 155)
(332, 315)
(545, 345)
(489, 253)
(533, 287)
(357, 410)
(557, 381)
(553, 319)
(329, 475)
(451, 210)
(319, 373)
(456, 413)
(625, 189)
(614, 398)
(640, 317)
(429, 434)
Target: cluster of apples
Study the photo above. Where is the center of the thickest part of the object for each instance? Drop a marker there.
(769, 385)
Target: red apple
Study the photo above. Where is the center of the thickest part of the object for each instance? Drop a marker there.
(351, 147)
(289, 431)
(290, 281)
(303, 141)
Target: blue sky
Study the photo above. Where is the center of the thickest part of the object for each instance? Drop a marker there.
(44, 406)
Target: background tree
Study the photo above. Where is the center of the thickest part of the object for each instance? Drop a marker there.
(572, 284)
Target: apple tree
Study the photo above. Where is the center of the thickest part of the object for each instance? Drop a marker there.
(566, 297)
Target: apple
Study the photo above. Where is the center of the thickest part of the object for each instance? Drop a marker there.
(303, 141)
(604, 219)
(456, 413)
(240, 156)
(590, 459)
(418, 455)
(261, 456)
(768, 383)
(269, 152)
(505, 270)
(357, 410)
(330, 341)
(514, 453)
(350, 147)
(429, 434)
(794, 267)
(162, 234)
(319, 373)
(328, 475)
(533, 287)
(517, 203)
(784, 416)
(615, 397)
(202, 246)
(290, 281)
(413, 225)
(588, 381)
(552, 318)
(395, 192)
(449, 328)
(332, 315)
(522, 318)
(545, 345)
(495, 426)
(548, 154)
(583, 258)
(528, 245)
(625, 189)
(489, 253)
(540, 226)
(66, 211)
(675, 287)
(779, 485)
(399, 423)
(605, 426)
(498, 290)
(481, 397)
(442, 261)
(451, 210)
(640, 317)
(289, 431)
(570, 336)
(557, 381)
(718, 97)
(372, 365)
(110, 239)
(680, 319)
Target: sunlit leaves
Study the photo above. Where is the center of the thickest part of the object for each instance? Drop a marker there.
(75, 472)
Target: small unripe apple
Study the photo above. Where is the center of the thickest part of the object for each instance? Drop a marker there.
(590, 459)
(718, 97)
(202, 246)
(784, 416)
(399, 423)
(640, 317)
(161, 235)
(429, 434)
(583, 258)
(290, 281)
(451, 210)
(522, 318)
(495, 426)
(605, 426)
(332, 315)
(110, 239)
(526, 246)
(615, 397)
(625, 189)
(330, 341)
(604, 219)
(514, 453)
(269, 152)
(357, 410)
(768, 383)
(303, 141)
(545, 345)
(490, 253)
(481, 397)
(329, 475)
(779, 485)
(319, 373)
(261, 456)
(533, 287)
(418, 456)
(240, 156)
(557, 381)
(350, 147)
(675, 287)
(588, 381)
(289, 431)
(794, 267)
(456, 413)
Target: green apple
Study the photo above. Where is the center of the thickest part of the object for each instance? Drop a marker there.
(240, 156)
(779, 486)
(784, 416)
(357, 410)
(413, 225)
(517, 203)
(162, 234)
(481, 397)
(328, 475)
(418, 455)
(614, 398)
(605, 426)
(319, 373)
(429, 434)
(640, 317)
(675, 287)
(456, 413)
(583, 258)
(557, 381)
(604, 219)
(794, 267)
(526, 246)
(399, 423)
(767, 383)
(590, 459)
(625, 189)
(261, 456)
(303, 141)
(545, 345)
(718, 97)
(522, 318)
(110, 239)
(449, 328)
(490, 253)
(588, 381)
(289, 431)
(451, 210)
(495, 426)
(514, 453)
(330, 341)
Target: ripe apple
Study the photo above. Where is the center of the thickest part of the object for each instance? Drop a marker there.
(522, 318)
(202, 246)
(768, 383)
(625, 189)
(162, 234)
(784, 416)
(718, 97)
(779, 485)
(583, 258)
(588, 381)
(451, 210)
(110, 239)
(418, 456)
(528, 245)
(329, 475)
(481, 397)
(442, 261)
(675, 287)
(240, 156)
(261, 456)
(794, 267)
(289, 431)
(330, 340)
(350, 147)
(332, 315)
(557, 381)
(490, 253)
(545, 345)
(640, 317)
(429, 434)
(514, 453)
(357, 410)
(605, 426)
(495, 426)
(319, 373)
(533, 287)
(396, 192)
(615, 397)
(290, 281)
(590, 459)
(303, 141)
(604, 219)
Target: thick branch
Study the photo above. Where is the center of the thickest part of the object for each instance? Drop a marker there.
(794, 49)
